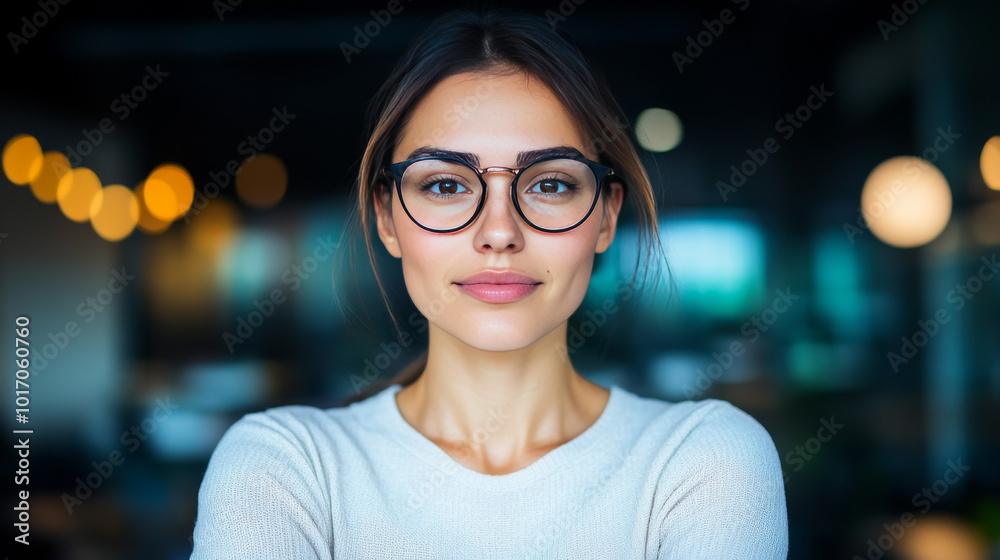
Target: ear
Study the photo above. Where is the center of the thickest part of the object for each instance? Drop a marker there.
(386, 229)
(612, 207)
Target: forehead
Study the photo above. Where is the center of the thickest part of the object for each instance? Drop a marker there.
(495, 116)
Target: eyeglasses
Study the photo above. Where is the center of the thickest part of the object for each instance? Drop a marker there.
(553, 193)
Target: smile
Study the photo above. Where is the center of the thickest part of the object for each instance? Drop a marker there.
(498, 293)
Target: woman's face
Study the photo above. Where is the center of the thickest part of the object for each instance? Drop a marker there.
(495, 117)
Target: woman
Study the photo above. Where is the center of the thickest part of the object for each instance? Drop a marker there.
(498, 448)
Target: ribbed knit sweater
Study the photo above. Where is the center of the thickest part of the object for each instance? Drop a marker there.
(649, 479)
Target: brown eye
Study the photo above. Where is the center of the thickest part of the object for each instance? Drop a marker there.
(552, 186)
(443, 187)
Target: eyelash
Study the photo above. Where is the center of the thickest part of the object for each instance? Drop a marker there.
(571, 187)
(426, 187)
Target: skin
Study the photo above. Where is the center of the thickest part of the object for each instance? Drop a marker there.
(509, 358)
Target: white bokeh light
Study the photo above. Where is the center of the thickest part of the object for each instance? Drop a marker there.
(906, 201)
(659, 130)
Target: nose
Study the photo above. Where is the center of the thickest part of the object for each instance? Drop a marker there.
(498, 226)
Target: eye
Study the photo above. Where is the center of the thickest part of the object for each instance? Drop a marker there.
(443, 187)
(552, 186)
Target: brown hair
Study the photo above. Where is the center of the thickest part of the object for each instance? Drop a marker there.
(463, 41)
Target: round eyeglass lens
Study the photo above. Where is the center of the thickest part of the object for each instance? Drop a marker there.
(556, 193)
(440, 194)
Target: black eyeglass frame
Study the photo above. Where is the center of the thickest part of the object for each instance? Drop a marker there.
(602, 173)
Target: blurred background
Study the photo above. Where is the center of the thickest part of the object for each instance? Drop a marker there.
(828, 173)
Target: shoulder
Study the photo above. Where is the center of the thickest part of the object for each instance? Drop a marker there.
(261, 446)
(290, 423)
(725, 432)
(720, 425)
(706, 436)
(273, 454)
(712, 420)
(266, 487)
(719, 486)
(302, 430)
(292, 427)
(294, 418)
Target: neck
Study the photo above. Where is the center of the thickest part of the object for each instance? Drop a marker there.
(497, 410)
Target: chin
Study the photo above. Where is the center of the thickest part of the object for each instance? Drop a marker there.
(496, 336)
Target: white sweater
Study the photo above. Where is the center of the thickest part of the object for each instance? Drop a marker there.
(649, 479)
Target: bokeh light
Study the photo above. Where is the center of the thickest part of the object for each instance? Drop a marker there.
(906, 201)
(659, 130)
(148, 223)
(942, 538)
(261, 182)
(22, 159)
(989, 163)
(985, 223)
(169, 192)
(46, 183)
(75, 192)
(114, 212)
(215, 226)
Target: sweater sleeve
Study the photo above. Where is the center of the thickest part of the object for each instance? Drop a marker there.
(730, 502)
(261, 497)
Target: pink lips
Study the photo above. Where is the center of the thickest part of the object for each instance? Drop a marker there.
(498, 287)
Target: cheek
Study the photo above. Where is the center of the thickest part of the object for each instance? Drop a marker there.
(426, 263)
(569, 260)
(583, 251)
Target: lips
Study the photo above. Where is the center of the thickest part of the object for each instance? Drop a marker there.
(498, 286)
(498, 277)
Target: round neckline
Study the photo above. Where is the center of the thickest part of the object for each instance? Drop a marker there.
(437, 458)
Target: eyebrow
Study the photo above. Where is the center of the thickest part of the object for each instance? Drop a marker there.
(473, 159)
